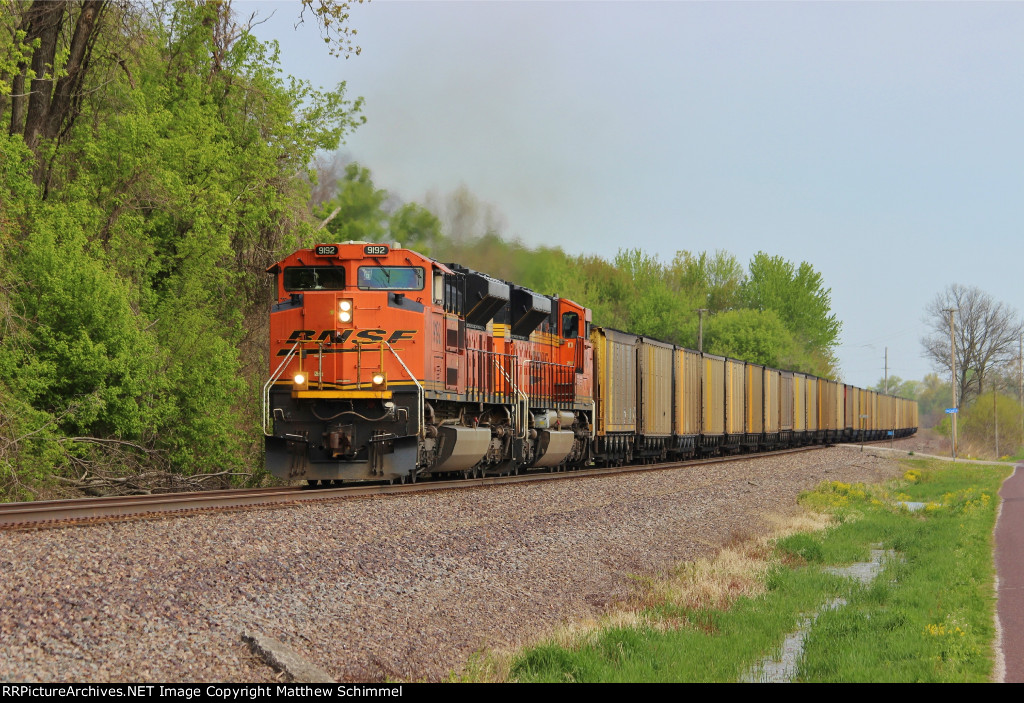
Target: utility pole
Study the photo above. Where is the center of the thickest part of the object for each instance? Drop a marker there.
(887, 370)
(995, 417)
(1020, 380)
(952, 359)
(700, 329)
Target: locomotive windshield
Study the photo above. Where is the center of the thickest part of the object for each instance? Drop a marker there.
(391, 278)
(314, 278)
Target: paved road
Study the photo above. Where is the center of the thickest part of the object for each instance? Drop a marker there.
(1010, 566)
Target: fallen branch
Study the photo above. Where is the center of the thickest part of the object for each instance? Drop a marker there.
(99, 482)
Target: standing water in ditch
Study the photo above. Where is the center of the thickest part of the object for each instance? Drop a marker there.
(783, 669)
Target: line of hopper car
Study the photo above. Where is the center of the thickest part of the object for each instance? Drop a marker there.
(388, 365)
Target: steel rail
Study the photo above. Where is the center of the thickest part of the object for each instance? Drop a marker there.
(88, 511)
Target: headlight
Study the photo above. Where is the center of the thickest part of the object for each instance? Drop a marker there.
(345, 311)
(378, 380)
(299, 379)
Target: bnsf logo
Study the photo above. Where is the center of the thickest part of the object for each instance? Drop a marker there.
(332, 337)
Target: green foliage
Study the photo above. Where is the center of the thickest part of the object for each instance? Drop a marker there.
(359, 211)
(715, 281)
(898, 387)
(639, 293)
(752, 335)
(332, 17)
(799, 296)
(133, 287)
(653, 307)
(934, 396)
(360, 216)
(91, 361)
(414, 227)
(25, 452)
(926, 616)
(977, 425)
(13, 51)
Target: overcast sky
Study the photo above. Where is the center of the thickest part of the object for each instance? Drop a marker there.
(881, 142)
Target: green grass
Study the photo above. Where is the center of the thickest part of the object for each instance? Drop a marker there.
(926, 617)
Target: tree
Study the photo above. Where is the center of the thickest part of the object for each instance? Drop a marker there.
(415, 227)
(133, 291)
(57, 54)
(653, 305)
(898, 387)
(351, 207)
(986, 416)
(55, 42)
(332, 18)
(356, 212)
(715, 281)
(799, 296)
(464, 216)
(758, 336)
(986, 336)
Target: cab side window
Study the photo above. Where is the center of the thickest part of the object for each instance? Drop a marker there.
(570, 325)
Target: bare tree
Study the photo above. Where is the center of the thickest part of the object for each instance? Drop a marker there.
(464, 216)
(330, 170)
(986, 334)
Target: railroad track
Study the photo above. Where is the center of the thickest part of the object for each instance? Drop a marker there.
(50, 514)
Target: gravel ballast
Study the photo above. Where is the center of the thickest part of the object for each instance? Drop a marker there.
(406, 586)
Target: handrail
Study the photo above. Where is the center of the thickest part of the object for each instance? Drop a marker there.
(525, 398)
(486, 385)
(273, 379)
(555, 374)
(421, 430)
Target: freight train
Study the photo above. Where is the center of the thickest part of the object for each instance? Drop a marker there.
(386, 365)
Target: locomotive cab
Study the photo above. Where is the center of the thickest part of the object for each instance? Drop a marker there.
(347, 350)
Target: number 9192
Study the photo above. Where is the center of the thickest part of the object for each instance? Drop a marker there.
(375, 250)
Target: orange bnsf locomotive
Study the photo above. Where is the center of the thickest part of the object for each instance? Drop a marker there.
(388, 365)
